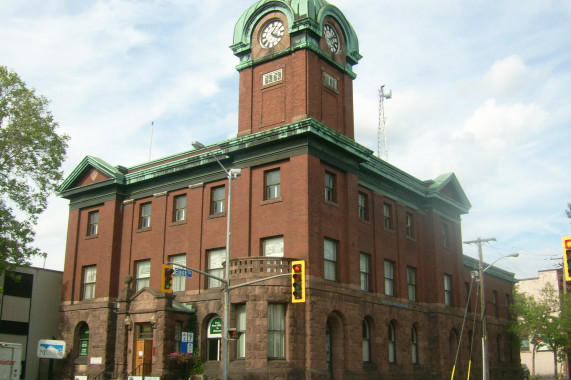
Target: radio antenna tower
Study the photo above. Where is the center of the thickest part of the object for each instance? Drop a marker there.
(382, 148)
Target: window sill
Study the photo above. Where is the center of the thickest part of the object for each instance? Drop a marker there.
(217, 215)
(144, 229)
(411, 238)
(271, 201)
(178, 223)
(365, 221)
(89, 237)
(331, 203)
(82, 360)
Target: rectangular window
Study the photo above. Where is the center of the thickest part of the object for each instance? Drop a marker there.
(388, 216)
(18, 284)
(276, 330)
(272, 77)
(93, 223)
(364, 265)
(330, 259)
(145, 215)
(329, 81)
(89, 277)
(508, 306)
(142, 274)
(273, 247)
(447, 289)
(273, 185)
(179, 208)
(178, 283)
(241, 329)
(218, 196)
(409, 225)
(363, 206)
(330, 187)
(389, 278)
(411, 283)
(215, 259)
(445, 237)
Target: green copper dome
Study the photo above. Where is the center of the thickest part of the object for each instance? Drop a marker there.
(305, 18)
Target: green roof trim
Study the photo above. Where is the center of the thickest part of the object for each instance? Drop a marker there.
(473, 264)
(373, 172)
(437, 185)
(115, 174)
(305, 19)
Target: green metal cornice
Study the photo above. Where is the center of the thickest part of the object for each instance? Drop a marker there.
(115, 174)
(308, 45)
(388, 179)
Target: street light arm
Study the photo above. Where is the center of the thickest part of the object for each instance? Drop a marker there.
(503, 257)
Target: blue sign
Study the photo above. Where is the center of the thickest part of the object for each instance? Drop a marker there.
(182, 272)
(187, 342)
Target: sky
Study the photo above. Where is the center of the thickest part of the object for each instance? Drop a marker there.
(480, 88)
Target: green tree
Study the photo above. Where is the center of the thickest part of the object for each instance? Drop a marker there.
(31, 155)
(543, 320)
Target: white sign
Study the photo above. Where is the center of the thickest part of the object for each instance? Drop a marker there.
(80, 377)
(96, 360)
(51, 349)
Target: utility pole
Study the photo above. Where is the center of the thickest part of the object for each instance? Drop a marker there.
(479, 242)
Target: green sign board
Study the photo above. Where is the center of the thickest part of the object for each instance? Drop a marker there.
(216, 326)
(83, 347)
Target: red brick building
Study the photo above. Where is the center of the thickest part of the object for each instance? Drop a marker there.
(387, 283)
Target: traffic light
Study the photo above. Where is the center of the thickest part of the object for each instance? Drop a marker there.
(298, 281)
(166, 278)
(233, 334)
(567, 257)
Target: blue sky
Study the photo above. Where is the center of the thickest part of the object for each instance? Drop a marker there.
(480, 88)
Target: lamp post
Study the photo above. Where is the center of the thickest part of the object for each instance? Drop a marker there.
(481, 270)
(230, 174)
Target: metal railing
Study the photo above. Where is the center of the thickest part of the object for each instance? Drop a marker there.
(110, 372)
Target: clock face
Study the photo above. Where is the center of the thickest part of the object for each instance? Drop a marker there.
(331, 38)
(272, 34)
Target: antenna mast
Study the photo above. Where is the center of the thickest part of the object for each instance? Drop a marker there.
(151, 143)
(382, 148)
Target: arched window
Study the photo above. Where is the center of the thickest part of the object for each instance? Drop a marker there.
(414, 344)
(84, 340)
(214, 335)
(392, 344)
(366, 342)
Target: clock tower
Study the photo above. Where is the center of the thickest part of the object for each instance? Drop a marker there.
(296, 63)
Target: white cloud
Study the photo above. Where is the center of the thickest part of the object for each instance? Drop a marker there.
(507, 75)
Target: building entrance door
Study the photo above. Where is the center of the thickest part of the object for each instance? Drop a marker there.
(144, 357)
(144, 350)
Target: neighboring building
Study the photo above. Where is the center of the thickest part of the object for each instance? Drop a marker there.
(30, 311)
(543, 356)
(386, 278)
